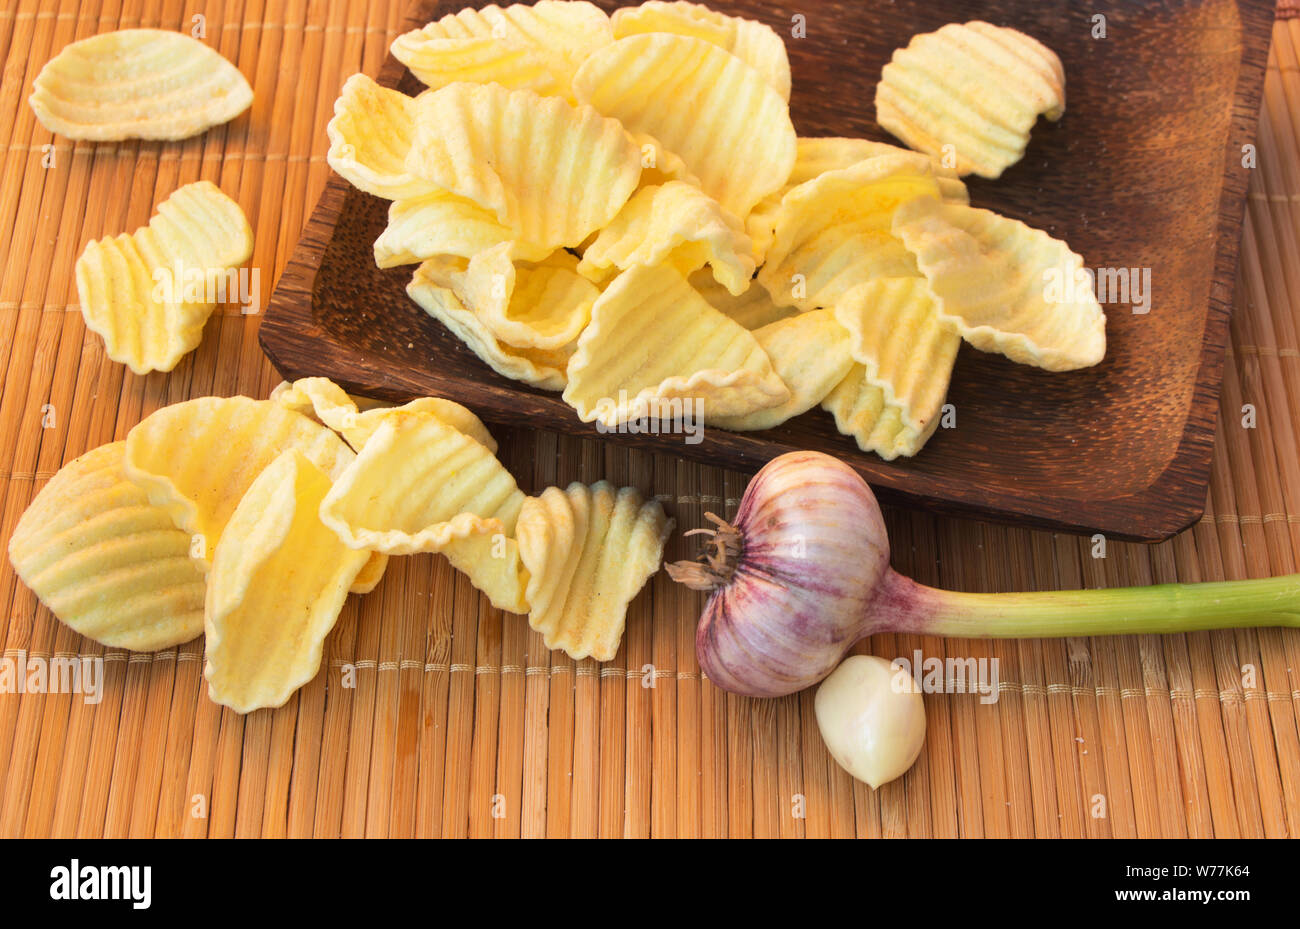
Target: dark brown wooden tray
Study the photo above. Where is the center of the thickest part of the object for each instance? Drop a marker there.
(1144, 171)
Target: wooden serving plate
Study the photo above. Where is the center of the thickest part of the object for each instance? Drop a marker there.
(1144, 171)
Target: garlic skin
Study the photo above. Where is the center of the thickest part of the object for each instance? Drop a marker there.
(872, 718)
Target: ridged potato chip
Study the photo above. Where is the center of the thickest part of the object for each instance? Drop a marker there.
(278, 582)
(810, 352)
(704, 104)
(905, 347)
(149, 294)
(834, 232)
(443, 224)
(654, 342)
(527, 47)
(138, 84)
(542, 369)
(588, 551)
(752, 42)
(658, 164)
(198, 458)
(862, 411)
(677, 224)
(106, 561)
(370, 136)
(753, 309)
(419, 485)
(535, 305)
(552, 172)
(991, 277)
(974, 87)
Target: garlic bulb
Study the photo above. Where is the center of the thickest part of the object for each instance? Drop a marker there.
(872, 718)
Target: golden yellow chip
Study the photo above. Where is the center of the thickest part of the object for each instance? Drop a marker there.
(138, 84)
(810, 352)
(149, 294)
(198, 458)
(419, 485)
(525, 47)
(1007, 288)
(904, 347)
(833, 232)
(658, 164)
(278, 582)
(533, 305)
(588, 552)
(442, 224)
(969, 94)
(752, 42)
(862, 411)
(542, 369)
(106, 561)
(655, 344)
(753, 309)
(717, 113)
(551, 172)
(677, 224)
(370, 136)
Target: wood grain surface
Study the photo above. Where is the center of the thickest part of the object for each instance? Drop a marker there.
(1145, 172)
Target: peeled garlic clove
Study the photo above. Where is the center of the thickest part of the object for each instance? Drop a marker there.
(872, 718)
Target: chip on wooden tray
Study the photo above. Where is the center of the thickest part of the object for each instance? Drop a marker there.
(810, 352)
(278, 582)
(676, 224)
(588, 551)
(654, 344)
(440, 224)
(992, 277)
(702, 103)
(753, 309)
(370, 136)
(197, 458)
(534, 47)
(106, 561)
(149, 294)
(552, 172)
(970, 92)
(754, 43)
(419, 485)
(138, 84)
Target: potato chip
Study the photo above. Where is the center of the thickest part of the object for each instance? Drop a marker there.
(810, 352)
(543, 305)
(814, 156)
(752, 42)
(833, 232)
(370, 136)
(677, 224)
(753, 309)
(993, 278)
(523, 47)
(971, 92)
(419, 485)
(905, 347)
(356, 418)
(654, 343)
(658, 164)
(149, 294)
(197, 458)
(138, 84)
(278, 582)
(542, 369)
(106, 561)
(443, 224)
(553, 173)
(588, 552)
(862, 410)
(717, 113)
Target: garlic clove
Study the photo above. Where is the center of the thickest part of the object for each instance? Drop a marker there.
(872, 718)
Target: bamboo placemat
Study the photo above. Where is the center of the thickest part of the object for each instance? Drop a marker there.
(460, 721)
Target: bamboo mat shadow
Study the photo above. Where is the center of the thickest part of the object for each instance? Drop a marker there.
(458, 721)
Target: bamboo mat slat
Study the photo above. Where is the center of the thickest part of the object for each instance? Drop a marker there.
(437, 715)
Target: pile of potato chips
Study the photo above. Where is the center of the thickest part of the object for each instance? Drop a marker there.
(252, 520)
(618, 208)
